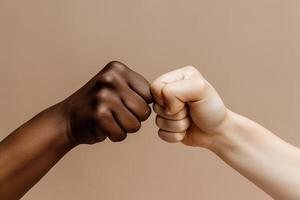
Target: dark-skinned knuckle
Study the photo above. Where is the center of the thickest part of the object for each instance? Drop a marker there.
(104, 94)
(102, 112)
(107, 78)
(134, 127)
(149, 98)
(145, 114)
(101, 138)
(117, 66)
(118, 137)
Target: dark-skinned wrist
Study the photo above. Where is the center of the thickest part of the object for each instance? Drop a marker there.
(58, 116)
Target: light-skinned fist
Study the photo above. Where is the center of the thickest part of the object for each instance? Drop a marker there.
(188, 108)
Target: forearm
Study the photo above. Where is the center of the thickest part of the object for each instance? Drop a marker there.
(262, 157)
(30, 151)
(110, 105)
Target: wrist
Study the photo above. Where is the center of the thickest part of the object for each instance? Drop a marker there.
(226, 136)
(58, 118)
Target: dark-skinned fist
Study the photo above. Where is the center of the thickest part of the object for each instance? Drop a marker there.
(110, 105)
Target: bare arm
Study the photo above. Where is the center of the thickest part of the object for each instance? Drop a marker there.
(28, 153)
(110, 105)
(189, 110)
(259, 155)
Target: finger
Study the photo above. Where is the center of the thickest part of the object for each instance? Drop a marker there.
(195, 136)
(140, 85)
(135, 104)
(178, 93)
(170, 77)
(171, 137)
(159, 110)
(108, 125)
(126, 120)
(172, 125)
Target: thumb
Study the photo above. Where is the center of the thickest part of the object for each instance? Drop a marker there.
(176, 94)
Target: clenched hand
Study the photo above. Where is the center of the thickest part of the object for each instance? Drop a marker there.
(111, 104)
(188, 108)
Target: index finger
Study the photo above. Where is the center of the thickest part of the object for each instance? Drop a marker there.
(159, 83)
(140, 85)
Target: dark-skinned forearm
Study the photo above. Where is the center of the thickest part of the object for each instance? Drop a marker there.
(110, 105)
(29, 152)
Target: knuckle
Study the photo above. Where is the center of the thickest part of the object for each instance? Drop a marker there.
(183, 125)
(116, 66)
(146, 113)
(118, 137)
(201, 84)
(101, 138)
(134, 127)
(104, 94)
(167, 91)
(107, 78)
(181, 115)
(102, 112)
(154, 87)
(155, 108)
(158, 121)
(191, 68)
(170, 137)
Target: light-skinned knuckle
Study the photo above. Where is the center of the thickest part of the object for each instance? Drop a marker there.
(191, 68)
(157, 86)
(155, 108)
(171, 111)
(158, 120)
(181, 115)
(162, 134)
(201, 84)
(183, 125)
(168, 136)
(167, 90)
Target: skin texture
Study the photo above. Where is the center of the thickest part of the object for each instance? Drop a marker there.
(190, 111)
(187, 107)
(115, 101)
(110, 105)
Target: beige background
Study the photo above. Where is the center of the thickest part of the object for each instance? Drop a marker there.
(249, 50)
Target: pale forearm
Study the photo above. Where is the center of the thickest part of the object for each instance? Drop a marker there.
(30, 151)
(259, 155)
(252, 150)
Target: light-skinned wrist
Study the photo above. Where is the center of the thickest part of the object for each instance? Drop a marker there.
(226, 138)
